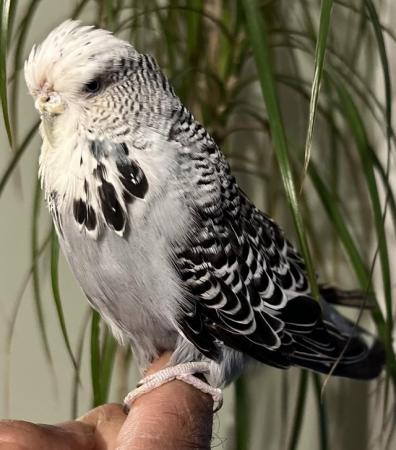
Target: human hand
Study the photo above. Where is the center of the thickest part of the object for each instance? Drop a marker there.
(173, 416)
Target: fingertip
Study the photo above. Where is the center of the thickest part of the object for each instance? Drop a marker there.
(103, 413)
(106, 421)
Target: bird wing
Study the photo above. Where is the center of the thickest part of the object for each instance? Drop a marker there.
(246, 285)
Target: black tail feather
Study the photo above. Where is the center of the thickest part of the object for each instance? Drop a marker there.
(352, 298)
(340, 347)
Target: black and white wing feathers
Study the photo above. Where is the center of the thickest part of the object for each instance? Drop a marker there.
(247, 287)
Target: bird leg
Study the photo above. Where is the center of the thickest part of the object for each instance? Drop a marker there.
(183, 372)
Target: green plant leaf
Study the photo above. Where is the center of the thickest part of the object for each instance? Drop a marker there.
(341, 68)
(299, 410)
(330, 205)
(79, 359)
(4, 30)
(57, 297)
(242, 414)
(13, 319)
(109, 11)
(357, 128)
(387, 186)
(22, 33)
(17, 156)
(321, 44)
(322, 415)
(214, 20)
(259, 42)
(108, 353)
(95, 359)
(79, 8)
(359, 266)
(35, 271)
(362, 12)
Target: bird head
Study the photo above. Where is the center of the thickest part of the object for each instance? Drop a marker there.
(89, 79)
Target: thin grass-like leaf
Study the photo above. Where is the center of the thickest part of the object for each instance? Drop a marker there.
(194, 29)
(242, 428)
(214, 20)
(95, 359)
(363, 147)
(11, 19)
(24, 285)
(358, 130)
(385, 70)
(17, 156)
(321, 44)
(330, 205)
(79, 8)
(57, 298)
(35, 273)
(107, 364)
(79, 355)
(4, 30)
(382, 237)
(194, 25)
(259, 41)
(361, 11)
(388, 188)
(299, 410)
(284, 408)
(322, 415)
(359, 39)
(298, 85)
(17, 62)
(361, 270)
(342, 68)
(109, 11)
(12, 323)
(309, 24)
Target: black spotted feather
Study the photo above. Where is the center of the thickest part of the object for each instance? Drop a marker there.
(110, 156)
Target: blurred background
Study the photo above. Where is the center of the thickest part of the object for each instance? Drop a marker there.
(321, 163)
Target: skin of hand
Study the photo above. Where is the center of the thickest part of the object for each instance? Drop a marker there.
(173, 416)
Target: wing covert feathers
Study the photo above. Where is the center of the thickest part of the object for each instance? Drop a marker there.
(248, 290)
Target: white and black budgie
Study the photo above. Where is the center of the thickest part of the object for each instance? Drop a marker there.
(164, 243)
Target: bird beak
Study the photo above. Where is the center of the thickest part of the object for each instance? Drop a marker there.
(49, 104)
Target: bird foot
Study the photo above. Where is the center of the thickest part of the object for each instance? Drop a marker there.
(183, 372)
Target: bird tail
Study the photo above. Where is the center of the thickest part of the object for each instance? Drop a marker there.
(353, 298)
(340, 347)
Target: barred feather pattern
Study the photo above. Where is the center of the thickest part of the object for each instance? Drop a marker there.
(248, 286)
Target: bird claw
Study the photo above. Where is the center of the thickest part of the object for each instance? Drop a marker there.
(183, 372)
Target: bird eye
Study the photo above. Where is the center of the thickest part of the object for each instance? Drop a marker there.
(93, 86)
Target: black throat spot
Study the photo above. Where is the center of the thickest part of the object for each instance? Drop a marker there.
(111, 208)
